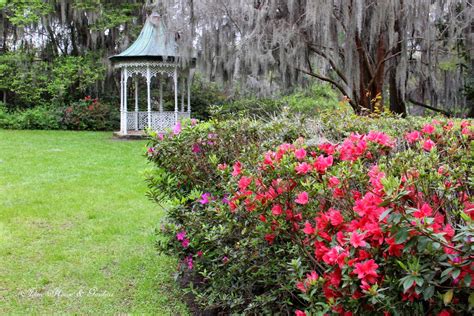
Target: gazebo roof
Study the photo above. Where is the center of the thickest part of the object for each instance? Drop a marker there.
(154, 43)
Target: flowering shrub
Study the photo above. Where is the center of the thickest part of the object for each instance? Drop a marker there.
(89, 114)
(371, 224)
(190, 157)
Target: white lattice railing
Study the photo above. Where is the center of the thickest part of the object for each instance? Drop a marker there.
(160, 121)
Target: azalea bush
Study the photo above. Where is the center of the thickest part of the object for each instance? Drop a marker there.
(189, 158)
(374, 223)
(90, 114)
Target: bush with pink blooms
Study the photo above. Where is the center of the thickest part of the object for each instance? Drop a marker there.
(376, 223)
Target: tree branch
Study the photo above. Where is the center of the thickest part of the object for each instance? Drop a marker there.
(429, 107)
(333, 82)
(331, 61)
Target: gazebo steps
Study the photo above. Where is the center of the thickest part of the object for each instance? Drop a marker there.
(131, 135)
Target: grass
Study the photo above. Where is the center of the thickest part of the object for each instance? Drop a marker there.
(76, 230)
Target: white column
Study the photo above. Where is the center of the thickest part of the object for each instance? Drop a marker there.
(121, 101)
(175, 77)
(183, 89)
(161, 92)
(125, 107)
(136, 103)
(148, 81)
(189, 94)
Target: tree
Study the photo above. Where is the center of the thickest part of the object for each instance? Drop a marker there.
(362, 47)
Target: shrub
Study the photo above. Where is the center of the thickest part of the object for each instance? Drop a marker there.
(35, 118)
(370, 224)
(310, 102)
(90, 114)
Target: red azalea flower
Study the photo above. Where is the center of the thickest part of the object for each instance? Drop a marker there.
(308, 229)
(299, 313)
(270, 238)
(335, 217)
(366, 270)
(423, 212)
(244, 182)
(277, 210)
(357, 240)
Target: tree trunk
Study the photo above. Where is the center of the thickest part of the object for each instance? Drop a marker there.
(397, 101)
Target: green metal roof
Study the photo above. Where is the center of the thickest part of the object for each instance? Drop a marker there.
(153, 43)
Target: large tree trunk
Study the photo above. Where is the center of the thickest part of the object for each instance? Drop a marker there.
(397, 101)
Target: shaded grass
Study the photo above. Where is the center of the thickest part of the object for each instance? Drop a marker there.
(76, 230)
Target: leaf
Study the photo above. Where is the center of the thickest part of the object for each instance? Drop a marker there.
(401, 236)
(419, 281)
(408, 283)
(467, 280)
(428, 292)
(471, 299)
(448, 296)
(446, 272)
(384, 214)
(456, 273)
(401, 264)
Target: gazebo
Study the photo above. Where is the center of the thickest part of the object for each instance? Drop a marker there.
(153, 55)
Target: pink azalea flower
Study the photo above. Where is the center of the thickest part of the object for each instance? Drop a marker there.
(300, 154)
(303, 168)
(189, 261)
(428, 145)
(428, 129)
(380, 138)
(299, 313)
(180, 236)
(302, 198)
(413, 137)
(322, 163)
(194, 122)
(237, 169)
(185, 243)
(205, 198)
(334, 182)
(196, 149)
(177, 128)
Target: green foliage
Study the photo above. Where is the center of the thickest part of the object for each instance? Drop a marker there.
(26, 12)
(204, 95)
(31, 81)
(311, 101)
(39, 117)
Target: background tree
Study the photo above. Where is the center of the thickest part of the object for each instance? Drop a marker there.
(413, 50)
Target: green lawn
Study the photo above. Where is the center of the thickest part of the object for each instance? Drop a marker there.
(76, 230)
